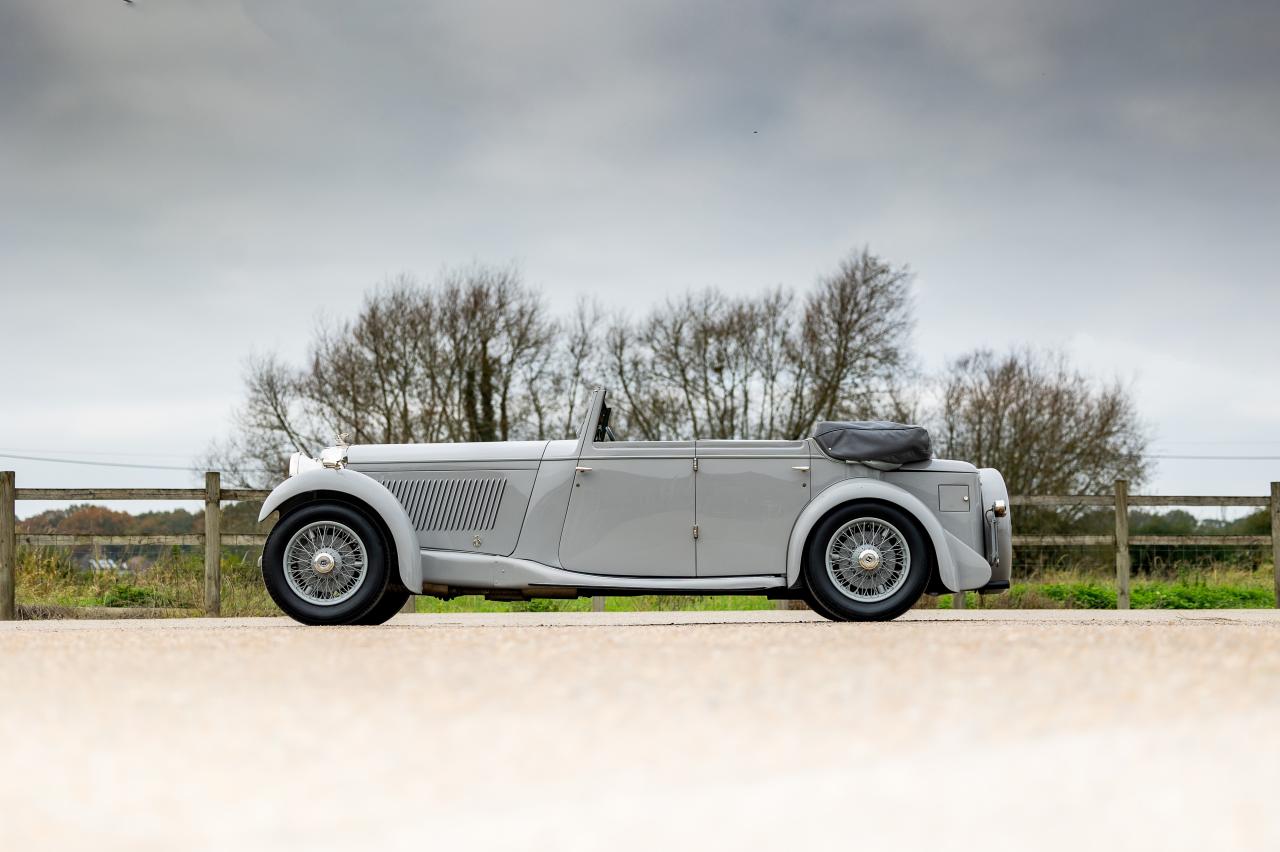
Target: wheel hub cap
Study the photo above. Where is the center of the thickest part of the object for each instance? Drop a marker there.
(869, 559)
(324, 562)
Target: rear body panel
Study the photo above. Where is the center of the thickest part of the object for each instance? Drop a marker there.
(941, 485)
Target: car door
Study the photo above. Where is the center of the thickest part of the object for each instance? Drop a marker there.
(749, 494)
(631, 511)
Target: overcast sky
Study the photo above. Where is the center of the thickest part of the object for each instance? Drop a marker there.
(184, 183)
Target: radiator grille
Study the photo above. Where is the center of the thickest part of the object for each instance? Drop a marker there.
(450, 504)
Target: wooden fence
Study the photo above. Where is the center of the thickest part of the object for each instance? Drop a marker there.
(1121, 501)
(213, 539)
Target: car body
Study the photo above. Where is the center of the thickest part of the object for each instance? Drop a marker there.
(595, 516)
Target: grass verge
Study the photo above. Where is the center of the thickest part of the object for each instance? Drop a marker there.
(1210, 588)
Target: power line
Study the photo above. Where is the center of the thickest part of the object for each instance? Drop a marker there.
(1213, 458)
(1233, 442)
(63, 452)
(187, 469)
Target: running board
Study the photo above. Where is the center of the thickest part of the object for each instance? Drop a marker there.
(480, 571)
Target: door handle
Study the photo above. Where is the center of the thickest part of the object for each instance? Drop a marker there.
(583, 469)
(800, 467)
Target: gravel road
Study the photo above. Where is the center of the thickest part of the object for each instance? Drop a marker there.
(992, 729)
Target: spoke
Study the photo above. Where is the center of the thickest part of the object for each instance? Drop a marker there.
(346, 551)
(844, 559)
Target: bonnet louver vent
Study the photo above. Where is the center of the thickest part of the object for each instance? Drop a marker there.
(466, 503)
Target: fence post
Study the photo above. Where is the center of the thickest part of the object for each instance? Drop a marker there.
(212, 543)
(597, 603)
(1275, 535)
(1122, 544)
(8, 546)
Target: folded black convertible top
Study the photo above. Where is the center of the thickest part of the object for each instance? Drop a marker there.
(874, 441)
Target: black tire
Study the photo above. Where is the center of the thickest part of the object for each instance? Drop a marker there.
(831, 601)
(387, 606)
(817, 606)
(376, 580)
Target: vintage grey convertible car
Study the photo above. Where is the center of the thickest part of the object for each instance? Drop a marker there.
(858, 520)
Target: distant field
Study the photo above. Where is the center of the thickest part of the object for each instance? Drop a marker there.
(48, 586)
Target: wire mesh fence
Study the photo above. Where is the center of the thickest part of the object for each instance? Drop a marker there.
(1156, 560)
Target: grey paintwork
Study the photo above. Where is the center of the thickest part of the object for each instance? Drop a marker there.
(428, 454)
(480, 572)
(554, 518)
(631, 512)
(748, 496)
(544, 520)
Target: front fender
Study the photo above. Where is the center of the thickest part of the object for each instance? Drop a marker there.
(372, 494)
(958, 565)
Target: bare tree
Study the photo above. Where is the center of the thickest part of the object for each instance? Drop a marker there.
(711, 366)
(851, 353)
(466, 359)
(560, 385)
(475, 357)
(1048, 428)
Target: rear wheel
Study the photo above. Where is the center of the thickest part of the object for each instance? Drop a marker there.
(866, 562)
(326, 563)
(817, 606)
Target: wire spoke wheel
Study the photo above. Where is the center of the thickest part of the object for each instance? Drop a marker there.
(325, 563)
(868, 559)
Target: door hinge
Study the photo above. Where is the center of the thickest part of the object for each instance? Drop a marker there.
(695, 465)
(695, 531)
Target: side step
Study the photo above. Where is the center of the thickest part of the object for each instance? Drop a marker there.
(479, 573)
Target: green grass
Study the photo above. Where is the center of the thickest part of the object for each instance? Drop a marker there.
(47, 581)
(49, 585)
(1210, 588)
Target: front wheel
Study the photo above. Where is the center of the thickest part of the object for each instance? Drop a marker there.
(866, 562)
(326, 563)
(392, 601)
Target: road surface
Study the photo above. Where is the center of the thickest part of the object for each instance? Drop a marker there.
(770, 730)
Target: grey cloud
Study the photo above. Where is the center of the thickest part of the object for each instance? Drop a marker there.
(1090, 172)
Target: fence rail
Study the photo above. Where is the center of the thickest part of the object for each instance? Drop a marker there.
(232, 495)
(1109, 500)
(185, 540)
(213, 539)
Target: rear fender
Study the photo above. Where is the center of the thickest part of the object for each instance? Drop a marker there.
(373, 496)
(958, 565)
